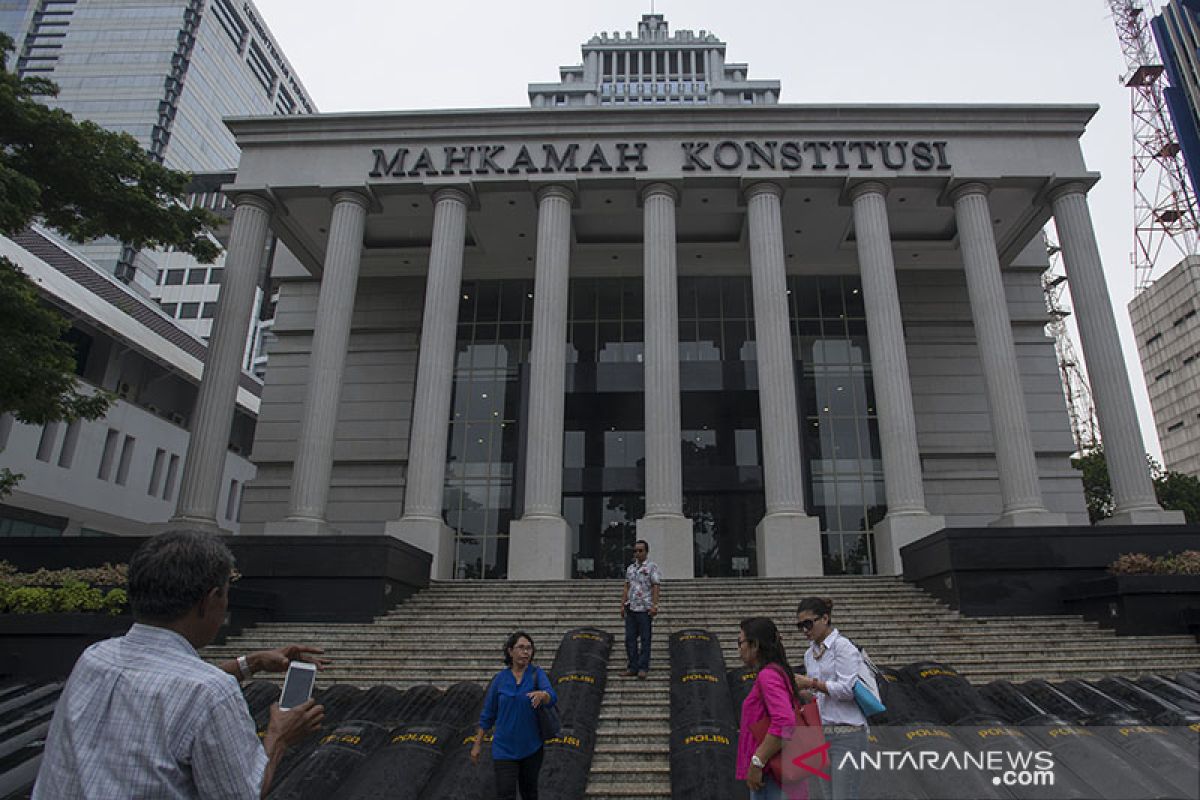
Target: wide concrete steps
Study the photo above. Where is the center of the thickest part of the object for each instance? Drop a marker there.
(454, 631)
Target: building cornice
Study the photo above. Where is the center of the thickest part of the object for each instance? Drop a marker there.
(810, 120)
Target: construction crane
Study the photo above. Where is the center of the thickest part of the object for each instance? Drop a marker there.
(1164, 206)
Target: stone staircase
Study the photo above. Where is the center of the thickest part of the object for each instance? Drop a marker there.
(454, 631)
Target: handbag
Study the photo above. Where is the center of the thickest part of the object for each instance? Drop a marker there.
(805, 748)
(548, 722)
(549, 725)
(866, 688)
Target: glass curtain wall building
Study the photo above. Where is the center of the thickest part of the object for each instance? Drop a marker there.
(166, 72)
(604, 455)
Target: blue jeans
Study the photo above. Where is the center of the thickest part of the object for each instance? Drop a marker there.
(770, 790)
(845, 783)
(637, 627)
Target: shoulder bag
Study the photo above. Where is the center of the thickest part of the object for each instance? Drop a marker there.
(807, 755)
(549, 724)
(866, 688)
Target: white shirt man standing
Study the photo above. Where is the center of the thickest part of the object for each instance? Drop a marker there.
(639, 607)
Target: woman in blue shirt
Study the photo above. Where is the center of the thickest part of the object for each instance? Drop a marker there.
(509, 707)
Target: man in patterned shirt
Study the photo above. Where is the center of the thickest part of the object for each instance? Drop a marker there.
(639, 607)
(143, 716)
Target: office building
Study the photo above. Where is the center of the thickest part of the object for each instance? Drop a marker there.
(1168, 340)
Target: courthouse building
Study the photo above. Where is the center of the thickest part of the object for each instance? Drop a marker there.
(770, 339)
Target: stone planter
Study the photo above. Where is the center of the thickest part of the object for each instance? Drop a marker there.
(46, 645)
(1138, 604)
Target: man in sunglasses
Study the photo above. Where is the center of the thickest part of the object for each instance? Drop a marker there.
(639, 607)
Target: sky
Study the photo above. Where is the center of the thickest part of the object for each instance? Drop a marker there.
(374, 55)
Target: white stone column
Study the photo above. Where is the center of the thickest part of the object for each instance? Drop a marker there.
(907, 518)
(422, 524)
(664, 527)
(331, 335)
(539, 544)
(212, 419)
(1124, 450)
(788, 540)
(1015, 460)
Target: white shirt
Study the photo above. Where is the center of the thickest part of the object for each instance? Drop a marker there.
(640, 578)
(838, 668)
(143, 717)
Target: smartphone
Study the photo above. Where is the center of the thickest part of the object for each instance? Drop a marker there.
(298, 685)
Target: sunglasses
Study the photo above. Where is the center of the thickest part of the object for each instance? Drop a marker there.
(805, 625)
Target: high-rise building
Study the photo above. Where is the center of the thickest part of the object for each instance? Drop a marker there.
(1167, 328)
(165, 71)
(654, 68)
(1176, 34)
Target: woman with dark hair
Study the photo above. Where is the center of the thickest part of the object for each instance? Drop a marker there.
(832, 663)
(509, 707)
(773, 698)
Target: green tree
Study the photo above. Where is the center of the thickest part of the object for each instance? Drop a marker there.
(1175, 491)
(86, 182)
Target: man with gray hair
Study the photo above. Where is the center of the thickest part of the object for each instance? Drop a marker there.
(142, 715)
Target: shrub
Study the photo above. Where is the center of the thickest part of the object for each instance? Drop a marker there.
(116, 601)
(30, 600)
(1186, 563)
(1132, 564)
(64, 590)
(77, 596)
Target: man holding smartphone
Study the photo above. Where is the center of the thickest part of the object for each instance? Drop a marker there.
(142, 715)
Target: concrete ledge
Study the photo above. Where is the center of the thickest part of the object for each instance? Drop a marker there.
(291, 578)
(1138, 605)
(1001, 571)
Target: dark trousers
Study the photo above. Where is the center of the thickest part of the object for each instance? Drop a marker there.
(523, 773)
(637, 628)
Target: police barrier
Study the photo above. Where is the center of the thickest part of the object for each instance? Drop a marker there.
(1076, 748)
(699, 681)
(457, 778)
(1172, 691)
(580, 675)
(1152, 747)
(904, 703)
(703, 758)
(402, 767)
(704, 726)
(1189, 679)
(912, 740)
(1103, 709)
(359, 727)
(947, 694)
(337, 754)
(741, 681)
(694, 648)
(1015, 746)
(340, 702)
(1159, 710)
(701, 694)
(567, 762)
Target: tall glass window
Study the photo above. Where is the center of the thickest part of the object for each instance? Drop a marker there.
(722, 471)
(492, 350)
(839, 430)
(604, 458)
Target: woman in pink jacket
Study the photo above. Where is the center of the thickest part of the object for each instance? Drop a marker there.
(773, 698)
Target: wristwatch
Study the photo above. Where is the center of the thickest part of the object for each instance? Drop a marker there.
(758, 762)
(243, 667)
